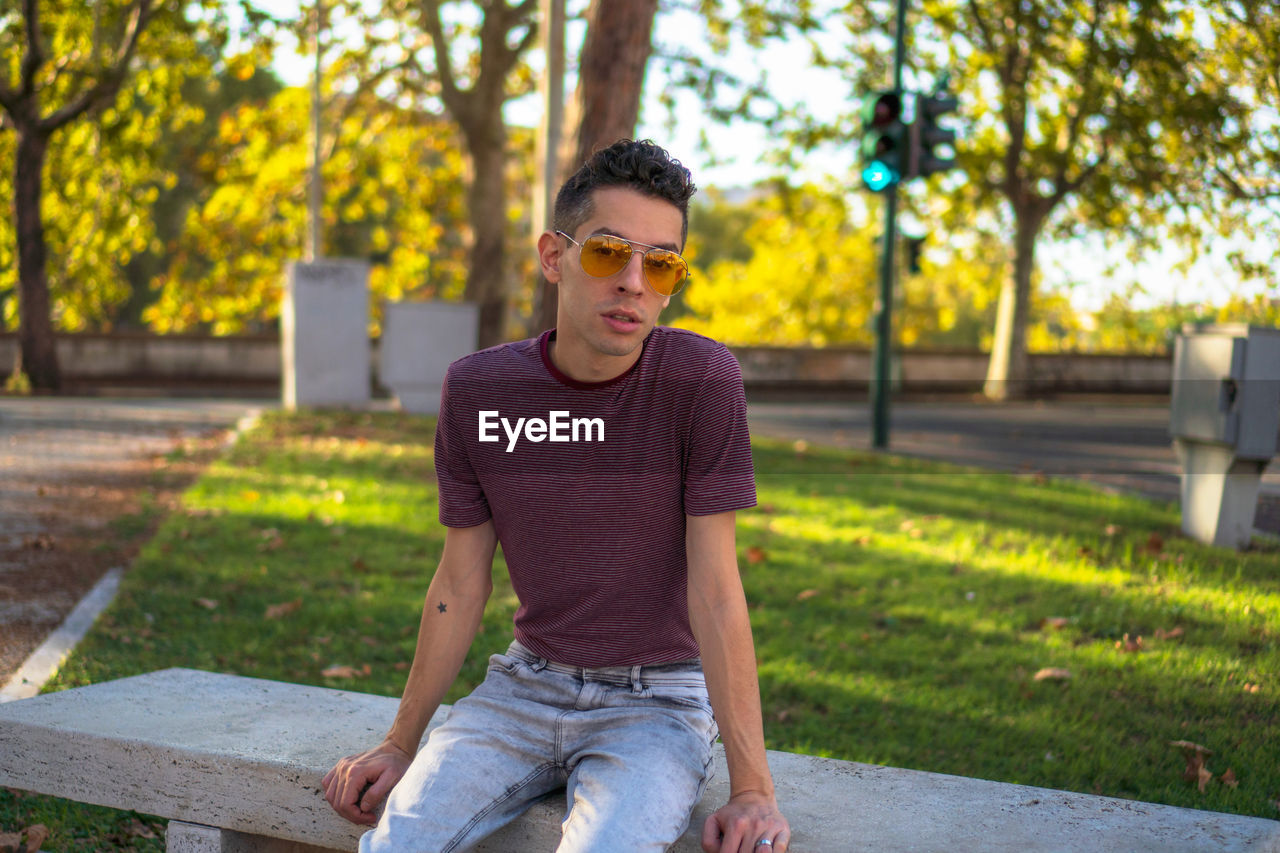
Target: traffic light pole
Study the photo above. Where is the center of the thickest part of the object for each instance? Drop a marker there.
(884, 327)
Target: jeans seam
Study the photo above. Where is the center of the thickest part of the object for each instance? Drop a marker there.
(497, 801)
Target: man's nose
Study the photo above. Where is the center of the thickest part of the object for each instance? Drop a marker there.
(631, 277)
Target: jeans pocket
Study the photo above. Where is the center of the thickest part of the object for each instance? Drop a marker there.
(690, 703)
(504, 663)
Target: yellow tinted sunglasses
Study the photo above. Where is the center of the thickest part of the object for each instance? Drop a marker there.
(603, 255)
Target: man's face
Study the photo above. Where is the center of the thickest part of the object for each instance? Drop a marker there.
(601, 322)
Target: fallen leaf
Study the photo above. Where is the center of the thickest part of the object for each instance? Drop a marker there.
(1162, 634)
(10, 842)
(42, 542)
(1228, 778)
(807, 594)
(37, 834)
(1154, 544)
(402, 665)
(801, 447)
(1251, 688)
(1195, 755)
(341, 671)
(1050, 673)
(138, 829)
(359, 565)
(1057, 623)
(755, 554)
(1128, 645)
(1111, 529)
(207, 603)
(272, 540)
(249, 495)
(275, 611)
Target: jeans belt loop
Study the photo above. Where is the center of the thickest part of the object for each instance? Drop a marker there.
(538, 665)
(637, 686)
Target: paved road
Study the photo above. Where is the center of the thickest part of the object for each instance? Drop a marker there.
(47, 440)
(1120, 446)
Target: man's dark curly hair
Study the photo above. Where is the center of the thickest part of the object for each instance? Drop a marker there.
(635, 164)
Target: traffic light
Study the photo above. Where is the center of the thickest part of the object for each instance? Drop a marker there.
(927, 136)
(883, 141)
(915, 246)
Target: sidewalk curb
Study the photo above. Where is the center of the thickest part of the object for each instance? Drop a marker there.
(48, 658)
(45, 660)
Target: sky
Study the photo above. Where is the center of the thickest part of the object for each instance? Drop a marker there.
(1086, 268)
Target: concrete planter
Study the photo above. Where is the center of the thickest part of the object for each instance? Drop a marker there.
(419, 341)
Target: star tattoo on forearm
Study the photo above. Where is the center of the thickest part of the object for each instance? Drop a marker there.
(441, 607)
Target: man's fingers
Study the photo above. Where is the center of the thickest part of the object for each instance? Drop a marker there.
(711, 835)
(377, 792)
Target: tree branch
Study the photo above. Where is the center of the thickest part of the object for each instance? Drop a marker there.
(1077, 117)
(982, 26)
(449, 92)
(109, 83)
(34, 57)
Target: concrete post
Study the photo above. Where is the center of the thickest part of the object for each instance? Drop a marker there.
(324, 330)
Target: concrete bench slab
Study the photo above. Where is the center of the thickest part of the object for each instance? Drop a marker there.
(238, 762)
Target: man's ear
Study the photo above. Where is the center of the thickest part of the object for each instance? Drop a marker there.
(550, 255)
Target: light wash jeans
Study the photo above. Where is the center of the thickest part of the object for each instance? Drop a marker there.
(631, 746)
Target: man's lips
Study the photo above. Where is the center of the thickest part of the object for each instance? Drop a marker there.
(622, 320)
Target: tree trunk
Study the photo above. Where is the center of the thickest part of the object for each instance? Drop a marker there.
(611, 70)
(1009, 370)
(37, 354)
(606, 104)
(487, 211)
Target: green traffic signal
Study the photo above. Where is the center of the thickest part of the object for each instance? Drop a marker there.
(877, 176)
(883, 140)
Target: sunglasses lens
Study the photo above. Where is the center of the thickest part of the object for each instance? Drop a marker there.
(603, 255)
(666, 271)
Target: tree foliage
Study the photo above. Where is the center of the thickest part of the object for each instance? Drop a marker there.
(798, 266)
(393, 193)
(468, 59)
(1079, 116)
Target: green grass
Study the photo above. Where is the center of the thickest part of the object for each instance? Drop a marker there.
(901, 611)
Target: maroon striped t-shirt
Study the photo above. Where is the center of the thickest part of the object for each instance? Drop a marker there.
(588, 493)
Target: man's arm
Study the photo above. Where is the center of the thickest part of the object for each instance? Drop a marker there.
(450, 618)
(718, 616)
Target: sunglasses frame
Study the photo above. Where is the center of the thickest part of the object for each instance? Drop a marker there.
(631, 244)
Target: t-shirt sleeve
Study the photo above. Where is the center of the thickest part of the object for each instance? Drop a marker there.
(462, 500)
(719, 475)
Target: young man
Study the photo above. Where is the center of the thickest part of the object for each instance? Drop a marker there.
(608, 456)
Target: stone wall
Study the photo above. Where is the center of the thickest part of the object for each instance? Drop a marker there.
(251, 364)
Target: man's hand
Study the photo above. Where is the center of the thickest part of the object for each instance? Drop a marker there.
(359, 783)
(743, 822)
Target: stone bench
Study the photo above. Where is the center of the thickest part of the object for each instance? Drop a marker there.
(235, 764)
